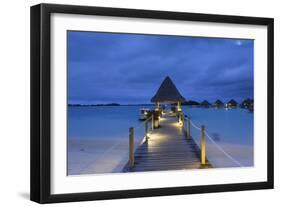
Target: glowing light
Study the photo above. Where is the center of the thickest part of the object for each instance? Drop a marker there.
(180, 123)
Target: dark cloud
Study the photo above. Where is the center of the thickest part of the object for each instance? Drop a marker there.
(128, 68)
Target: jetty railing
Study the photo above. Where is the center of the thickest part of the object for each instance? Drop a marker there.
(147, 126)
(210, 150)
(208, 147)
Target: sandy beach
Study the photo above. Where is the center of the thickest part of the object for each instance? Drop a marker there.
(90, 156)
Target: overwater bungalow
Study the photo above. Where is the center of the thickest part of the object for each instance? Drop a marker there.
(205, 104)
(218, 104)
(168, 93)
(247, 103)
(231, 104)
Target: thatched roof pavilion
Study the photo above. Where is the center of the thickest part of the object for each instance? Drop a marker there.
(168, 92)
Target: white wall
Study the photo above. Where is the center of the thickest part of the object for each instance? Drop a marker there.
(14, 103)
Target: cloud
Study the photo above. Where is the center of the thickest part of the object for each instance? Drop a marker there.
(129, 68)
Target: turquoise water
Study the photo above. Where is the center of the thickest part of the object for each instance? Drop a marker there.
(102, 122)
(229, 135)
(230, 129)
(231, 126)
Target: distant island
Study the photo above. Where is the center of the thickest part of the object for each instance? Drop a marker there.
(109, 104)
(247, 104)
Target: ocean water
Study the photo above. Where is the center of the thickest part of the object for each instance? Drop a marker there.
(229, 135)
(98, 138)
(233, 126)
(102, 122)
(103, 130)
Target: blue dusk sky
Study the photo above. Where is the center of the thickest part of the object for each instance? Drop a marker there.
(129, 68)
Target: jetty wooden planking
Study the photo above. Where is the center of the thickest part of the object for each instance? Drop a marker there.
(167, 148)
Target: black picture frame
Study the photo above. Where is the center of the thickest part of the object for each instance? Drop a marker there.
(41, 97)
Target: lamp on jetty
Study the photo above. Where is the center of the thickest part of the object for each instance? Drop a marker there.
(167, 93)
(179, 106)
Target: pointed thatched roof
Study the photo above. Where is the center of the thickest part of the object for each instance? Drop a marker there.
(205, 103)
(232, 102)
(247, 101)
(218, 103)
(167, 92)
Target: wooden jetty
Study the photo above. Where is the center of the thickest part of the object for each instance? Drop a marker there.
(170, 145)
(167, 148)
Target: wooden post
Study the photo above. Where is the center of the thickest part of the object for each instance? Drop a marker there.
(181, 119)
(188, 128)
(156, 120)
(131, 147)
(146, 130)
(157, 106)
(203, 146)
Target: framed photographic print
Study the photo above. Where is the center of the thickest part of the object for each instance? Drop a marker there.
(132, 103)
